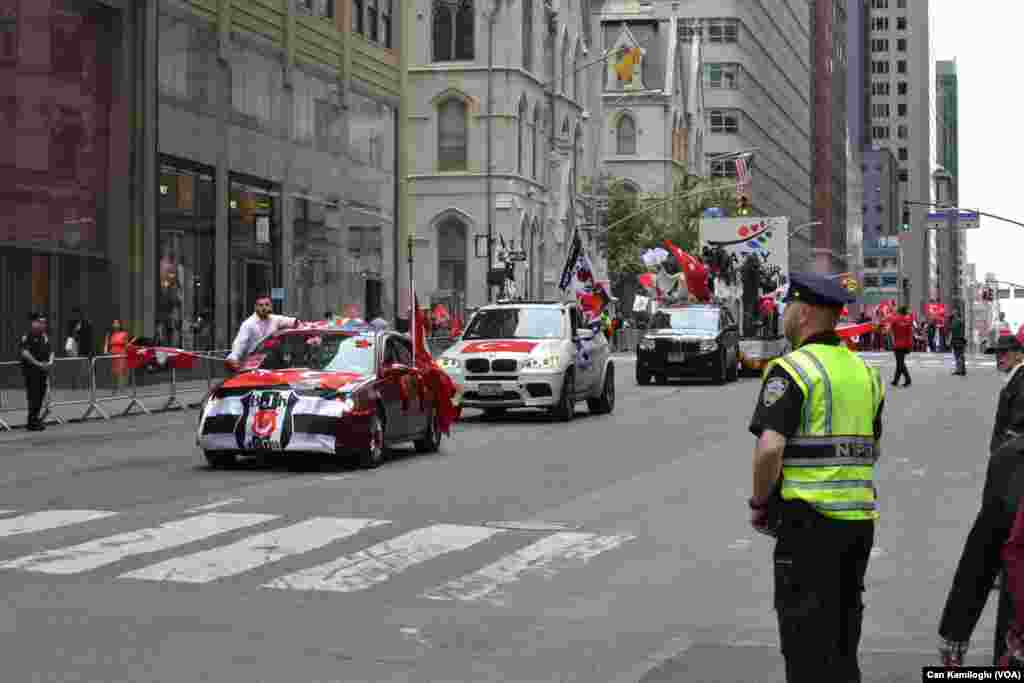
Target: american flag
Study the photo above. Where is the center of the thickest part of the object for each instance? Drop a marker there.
(742, 174)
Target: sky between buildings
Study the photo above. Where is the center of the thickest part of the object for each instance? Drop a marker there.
(983, 37)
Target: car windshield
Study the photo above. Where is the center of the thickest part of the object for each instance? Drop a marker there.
(516, 323)
(704, 319)
(317, 350)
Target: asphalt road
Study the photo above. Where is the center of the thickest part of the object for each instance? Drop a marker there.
(613, 549)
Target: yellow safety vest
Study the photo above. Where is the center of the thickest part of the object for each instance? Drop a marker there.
(830, 461)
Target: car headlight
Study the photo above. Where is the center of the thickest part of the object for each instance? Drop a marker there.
(708, 346)
(547, 362)
(646, 344)
(448, 363)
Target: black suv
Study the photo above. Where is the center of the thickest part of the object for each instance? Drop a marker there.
(689, 340)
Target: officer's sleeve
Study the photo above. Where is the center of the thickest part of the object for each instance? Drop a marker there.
(779, 405)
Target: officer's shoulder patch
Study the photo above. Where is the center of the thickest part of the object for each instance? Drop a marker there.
(773, 390)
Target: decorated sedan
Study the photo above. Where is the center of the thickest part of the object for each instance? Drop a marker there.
(328, 389)
(532, 355)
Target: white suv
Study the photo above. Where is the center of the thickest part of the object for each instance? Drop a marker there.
(531, 355)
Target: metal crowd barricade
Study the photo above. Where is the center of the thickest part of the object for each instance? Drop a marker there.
(12, 388)
(70, 384)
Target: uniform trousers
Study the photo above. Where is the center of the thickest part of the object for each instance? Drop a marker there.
(820, 564)
(35, 389)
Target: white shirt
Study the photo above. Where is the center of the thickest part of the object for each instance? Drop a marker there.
(254, 330)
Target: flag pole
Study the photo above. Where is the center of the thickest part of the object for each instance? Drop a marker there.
(412, 295)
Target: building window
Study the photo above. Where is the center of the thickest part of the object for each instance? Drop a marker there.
(372, 23)
(451, 138)
(901, 44)
(902, 132)
(879, 67)
(725, 76)
(880, 88)
(901, 88)
(901, 66)
(357, 17)
(625, 136)
(879, 4)
(723, 121)
(528, 35)
(9, 31)
(723, 30)
(536, 141)
(323, 9)
(451, 255)
(901, 4)
(880, 24)
(901, 23)
(453, 30)
(880, 132)
(901, 109)
(904, 175)
(903, 154)
(880, 45)
(385, 23)
(723, 168)
(880, 109)
(521, 163)
(688, 31)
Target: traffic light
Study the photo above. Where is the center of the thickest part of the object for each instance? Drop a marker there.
(742, 205)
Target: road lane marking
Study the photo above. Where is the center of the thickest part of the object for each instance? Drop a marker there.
(379, 563)
(216, 504)
(543, 558)
(255, 551)
(111, 549)
(48, 519)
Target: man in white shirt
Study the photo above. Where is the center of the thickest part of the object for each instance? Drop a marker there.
(255, 329)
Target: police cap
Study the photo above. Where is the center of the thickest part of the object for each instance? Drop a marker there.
(817, 290)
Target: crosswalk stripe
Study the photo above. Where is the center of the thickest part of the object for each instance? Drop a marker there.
(539, 559)
(378, 563)
(46, 520)
(104, 551)
(255, 551)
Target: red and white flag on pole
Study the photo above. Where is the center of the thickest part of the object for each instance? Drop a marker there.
(742, 174)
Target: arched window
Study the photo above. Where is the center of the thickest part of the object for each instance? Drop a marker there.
(451, 255)
(625, 136)
(565, 61)
(576, 73)
(528, 35)
(451, 136)
(453, 27)
(521, 163)
(537, 126)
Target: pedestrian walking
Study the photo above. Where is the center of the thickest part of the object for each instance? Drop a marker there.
(818, 421)
(116, 344)
(902, 330)
(36, 362)
(981, 561)
(958, 340)
(257, 327)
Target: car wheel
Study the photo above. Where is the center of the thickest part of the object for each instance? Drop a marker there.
(642, 377)
(220, 460)
(566, 408)
(431, 440)
(605, 403)
(372, 454)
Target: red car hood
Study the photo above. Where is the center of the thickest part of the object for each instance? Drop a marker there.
(296, 378)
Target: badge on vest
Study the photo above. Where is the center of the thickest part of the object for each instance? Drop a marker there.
(773, 391)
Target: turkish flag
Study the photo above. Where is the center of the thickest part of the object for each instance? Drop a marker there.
(695, 272)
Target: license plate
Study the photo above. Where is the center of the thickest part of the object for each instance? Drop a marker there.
(676, 357)
(491, 390)
(259, 444)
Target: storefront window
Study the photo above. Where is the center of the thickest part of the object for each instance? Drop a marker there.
(185, 275)
(255, 245)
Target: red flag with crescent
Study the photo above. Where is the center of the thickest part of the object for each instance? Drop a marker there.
(695, 272)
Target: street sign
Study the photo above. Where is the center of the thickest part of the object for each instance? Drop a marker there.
(940, 220)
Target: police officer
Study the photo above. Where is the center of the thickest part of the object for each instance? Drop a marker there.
(818, 422)
(36, 361)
